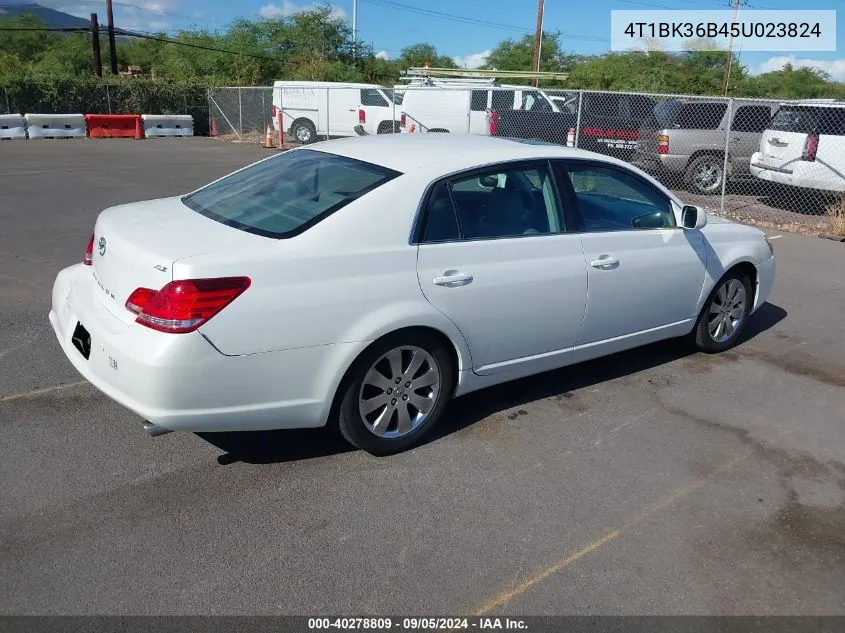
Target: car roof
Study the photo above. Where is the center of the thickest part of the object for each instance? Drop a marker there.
(406, 152)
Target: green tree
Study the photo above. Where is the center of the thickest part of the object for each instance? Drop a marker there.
(417, 55)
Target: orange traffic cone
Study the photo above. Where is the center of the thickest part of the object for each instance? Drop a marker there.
(412, 128)
(268, 140)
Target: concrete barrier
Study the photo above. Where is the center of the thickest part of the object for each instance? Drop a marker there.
(12, 126)
(168, 125)
(55, 125)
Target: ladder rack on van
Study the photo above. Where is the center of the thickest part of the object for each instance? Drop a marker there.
(467, 73)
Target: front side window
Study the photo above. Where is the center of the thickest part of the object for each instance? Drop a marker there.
(751, 119)
(372, 97)
(611, 200)
(284, 195)
(499, 203)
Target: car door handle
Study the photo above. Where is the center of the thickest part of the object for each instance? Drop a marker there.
(605, 263)
(451, 280)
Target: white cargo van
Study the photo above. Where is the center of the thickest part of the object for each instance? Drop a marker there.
(316, 110)
(461, 106)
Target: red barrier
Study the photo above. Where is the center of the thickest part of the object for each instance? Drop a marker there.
(114, 126)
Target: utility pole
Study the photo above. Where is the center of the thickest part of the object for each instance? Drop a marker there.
(354, 28)
(729, 61)
(95, 45)
(112, 46)
(538, 42)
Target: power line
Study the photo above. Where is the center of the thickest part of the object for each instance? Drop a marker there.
(124, 32)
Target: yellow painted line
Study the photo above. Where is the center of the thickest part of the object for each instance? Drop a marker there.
(507, 596)
(37, 392)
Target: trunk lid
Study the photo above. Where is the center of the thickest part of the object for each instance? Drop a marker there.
(136, 245)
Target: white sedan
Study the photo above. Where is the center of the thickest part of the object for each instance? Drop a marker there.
(365, 282)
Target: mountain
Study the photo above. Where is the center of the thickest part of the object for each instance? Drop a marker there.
(50, 17)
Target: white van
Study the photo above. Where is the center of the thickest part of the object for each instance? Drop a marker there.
(804, 146)
(462, 107)
(316, 110)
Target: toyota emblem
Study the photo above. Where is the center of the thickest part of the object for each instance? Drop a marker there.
(102, 246)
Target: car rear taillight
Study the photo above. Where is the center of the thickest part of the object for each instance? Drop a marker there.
(811, 147)
(183, 306)
(663, 144)
(275, 112)
(362, 116)
(403, 120)
(89, 252)
(494, 123)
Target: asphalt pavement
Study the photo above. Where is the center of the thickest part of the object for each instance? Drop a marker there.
(656, 481)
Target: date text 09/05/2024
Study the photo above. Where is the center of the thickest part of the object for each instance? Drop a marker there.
(716, 29)
(416, 624)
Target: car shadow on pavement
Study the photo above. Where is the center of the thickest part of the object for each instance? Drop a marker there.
(265, 447)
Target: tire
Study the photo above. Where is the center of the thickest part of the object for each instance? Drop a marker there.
(303, 131)
(371, 418)
(704, 174)
(711, 335)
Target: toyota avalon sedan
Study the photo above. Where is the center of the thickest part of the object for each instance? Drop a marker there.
(365, 282)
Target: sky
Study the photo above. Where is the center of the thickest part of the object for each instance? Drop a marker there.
(463, 29)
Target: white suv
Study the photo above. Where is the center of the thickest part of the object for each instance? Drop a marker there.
(804, 146)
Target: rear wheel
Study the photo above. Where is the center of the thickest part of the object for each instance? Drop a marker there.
(724, 314)
(396, 393)
(705, 174)
(304, 131)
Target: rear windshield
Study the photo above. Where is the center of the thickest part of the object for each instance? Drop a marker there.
(693, 116)
(395, 96)
(285, 195)
(807, 119)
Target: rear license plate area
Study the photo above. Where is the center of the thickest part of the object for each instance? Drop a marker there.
(81, 340)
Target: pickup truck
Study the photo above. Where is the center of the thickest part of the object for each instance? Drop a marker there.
(609, 123)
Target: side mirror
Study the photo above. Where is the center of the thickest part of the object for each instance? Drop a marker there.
(693, 217)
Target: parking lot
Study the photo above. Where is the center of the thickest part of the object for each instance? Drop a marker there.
(651, 482)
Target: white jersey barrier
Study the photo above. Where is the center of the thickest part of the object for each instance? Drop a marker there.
(56, 125)
(12, 126)
(168, 125)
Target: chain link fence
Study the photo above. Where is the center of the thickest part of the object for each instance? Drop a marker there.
(776, 163)
(87, 96)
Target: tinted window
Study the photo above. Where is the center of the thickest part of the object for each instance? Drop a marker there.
(441, 223)
(372, 97)
(612, 200)
(806, 119)
(284, 195)
(506, 203)
(697, 116)
(751, 119)
(503, 100)
(396, 96)
(478, 101)
(535, 102)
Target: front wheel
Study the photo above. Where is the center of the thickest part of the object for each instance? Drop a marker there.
(724, 314)
(396, 393)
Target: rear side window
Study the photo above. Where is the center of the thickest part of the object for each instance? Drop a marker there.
(807, 119)
(751, 119)
(478, 101)
(371, 97)
(503, 100)
(285, 195)
(535, 102)
(697, 116)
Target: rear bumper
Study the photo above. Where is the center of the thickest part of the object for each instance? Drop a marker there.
(180, 381)
(660, 163)
(808, 175)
